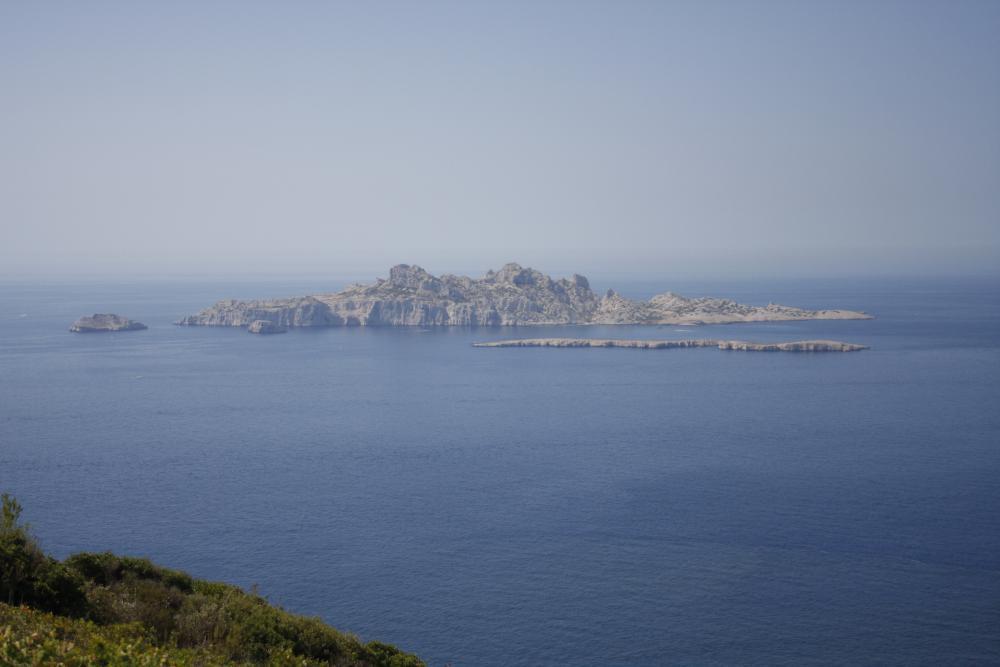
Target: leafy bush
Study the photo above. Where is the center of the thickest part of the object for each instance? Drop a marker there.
(129, 611)
(106, 569)
(27, 575)
(387, 655)
(29, 637)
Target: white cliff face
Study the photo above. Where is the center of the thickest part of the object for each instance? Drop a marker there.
(512, 296)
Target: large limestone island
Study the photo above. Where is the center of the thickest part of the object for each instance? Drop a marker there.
(744, 346)
(512, 296)
(103, 322)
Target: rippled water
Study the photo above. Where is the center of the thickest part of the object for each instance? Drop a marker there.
(537, 506)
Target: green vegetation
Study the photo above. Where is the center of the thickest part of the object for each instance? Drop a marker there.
(103, 609)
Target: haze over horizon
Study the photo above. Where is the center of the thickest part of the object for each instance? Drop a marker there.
(699, 138)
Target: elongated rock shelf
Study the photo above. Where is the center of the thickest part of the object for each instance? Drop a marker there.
(794, 346)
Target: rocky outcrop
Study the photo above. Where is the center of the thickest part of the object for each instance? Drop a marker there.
(266, 327)
(599, 342)
(105, 322)
(675, 309)
(796, 346)
(512, 296)
(296, 312)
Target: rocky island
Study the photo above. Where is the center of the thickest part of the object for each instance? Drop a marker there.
(103, 322)
(512, 296)
(794, 346)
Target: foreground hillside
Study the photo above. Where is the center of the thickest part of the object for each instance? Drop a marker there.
(103, 609)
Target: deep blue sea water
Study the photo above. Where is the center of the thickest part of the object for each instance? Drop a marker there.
(537, 506)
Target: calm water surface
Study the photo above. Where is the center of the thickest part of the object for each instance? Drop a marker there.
(533, 506)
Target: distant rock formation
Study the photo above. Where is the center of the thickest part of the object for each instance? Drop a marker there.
(103, 322)
(796, 346)
(266, 327)
(512, 296)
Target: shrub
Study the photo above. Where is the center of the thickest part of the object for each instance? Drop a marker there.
(138, 613)
(107, 568)
(27, 575)
(201, 621)
(29, 637)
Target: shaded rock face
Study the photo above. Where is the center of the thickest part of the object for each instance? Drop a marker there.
(795, 346)
(266, 327)
(512, 296)
(104, 322)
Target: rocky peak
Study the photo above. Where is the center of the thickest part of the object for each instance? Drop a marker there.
(507, 273)
(669, 299)
(412, 277)
(515, 274)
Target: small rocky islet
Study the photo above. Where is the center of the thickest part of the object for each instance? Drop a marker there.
(105, 322)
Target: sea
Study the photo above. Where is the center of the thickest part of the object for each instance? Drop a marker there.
(526, 507)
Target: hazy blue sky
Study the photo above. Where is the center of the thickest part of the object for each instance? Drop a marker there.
(729, 137)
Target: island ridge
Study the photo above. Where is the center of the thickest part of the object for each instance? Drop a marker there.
(513, 296)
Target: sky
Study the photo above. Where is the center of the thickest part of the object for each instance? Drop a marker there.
(689, 138)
